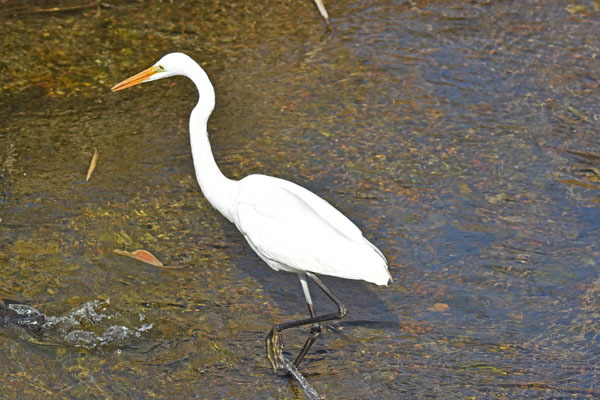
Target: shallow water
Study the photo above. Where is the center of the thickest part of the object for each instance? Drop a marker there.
(461, 137)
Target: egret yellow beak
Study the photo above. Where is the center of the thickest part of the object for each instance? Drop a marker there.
(134, 80)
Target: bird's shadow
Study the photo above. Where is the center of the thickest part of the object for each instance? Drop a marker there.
(365, 306)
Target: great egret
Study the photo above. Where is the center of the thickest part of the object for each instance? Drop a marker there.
(289, 227)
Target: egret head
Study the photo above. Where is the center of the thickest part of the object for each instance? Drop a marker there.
(170, 65)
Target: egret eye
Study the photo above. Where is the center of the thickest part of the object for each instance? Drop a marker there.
(162, 69)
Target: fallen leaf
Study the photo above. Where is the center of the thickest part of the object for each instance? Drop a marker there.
(439, 307)
(92, 165)
(140, 255)
(147, 257)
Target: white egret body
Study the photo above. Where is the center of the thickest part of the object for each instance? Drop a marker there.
(289, 227)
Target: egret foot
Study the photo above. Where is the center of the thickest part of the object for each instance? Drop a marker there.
(274, 344)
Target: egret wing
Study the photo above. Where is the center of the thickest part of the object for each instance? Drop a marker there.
(293, 229)
(289, 192)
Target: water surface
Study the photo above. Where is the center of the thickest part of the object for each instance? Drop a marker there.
(461, 137)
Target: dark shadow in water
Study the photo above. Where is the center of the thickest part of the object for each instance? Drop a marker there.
(361, 298)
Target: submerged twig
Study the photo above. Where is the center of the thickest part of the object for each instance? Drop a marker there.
(92, 165)
(60, 9)
(310, 391)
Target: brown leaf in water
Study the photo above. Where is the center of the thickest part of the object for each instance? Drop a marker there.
(145, 256)
(92, 165)
(140, 255)
(439, 307)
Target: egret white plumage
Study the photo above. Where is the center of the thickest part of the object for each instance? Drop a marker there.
(289, 227)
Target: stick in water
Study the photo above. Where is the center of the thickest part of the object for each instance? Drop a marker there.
(310, 391)
(322, 10)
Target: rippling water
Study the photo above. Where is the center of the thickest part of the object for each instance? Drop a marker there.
(462, 137)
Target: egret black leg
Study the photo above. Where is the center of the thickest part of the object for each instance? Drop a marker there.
(273, 340)
(315, 331)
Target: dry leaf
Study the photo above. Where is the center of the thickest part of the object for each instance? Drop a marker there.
(92, 165)
(141, 255)
(439, 307)
(147, 257)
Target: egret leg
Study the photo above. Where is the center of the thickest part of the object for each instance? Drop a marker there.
(273, 340)
(315, 330)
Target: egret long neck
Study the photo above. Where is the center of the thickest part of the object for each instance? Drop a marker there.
(216, 187)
